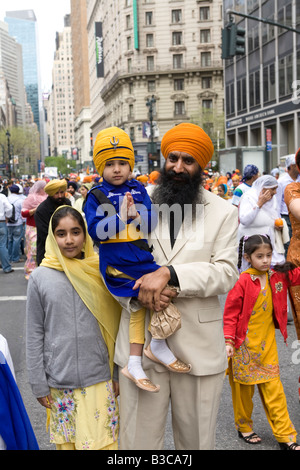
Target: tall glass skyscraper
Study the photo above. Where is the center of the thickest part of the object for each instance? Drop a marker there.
(22, 26)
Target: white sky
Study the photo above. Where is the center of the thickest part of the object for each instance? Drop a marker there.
(50, 19)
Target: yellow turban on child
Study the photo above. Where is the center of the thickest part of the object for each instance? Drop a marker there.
(191, 139)
(112, 143)
(53, 186)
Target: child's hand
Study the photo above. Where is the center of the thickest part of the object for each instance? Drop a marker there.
(229, 350)
(128, 210)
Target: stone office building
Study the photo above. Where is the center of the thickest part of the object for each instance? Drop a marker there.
(164, 53)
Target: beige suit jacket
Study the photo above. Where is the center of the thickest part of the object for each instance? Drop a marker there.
(204, 257)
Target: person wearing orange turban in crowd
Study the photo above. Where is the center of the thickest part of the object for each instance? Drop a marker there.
(153, 177)
(195, 243)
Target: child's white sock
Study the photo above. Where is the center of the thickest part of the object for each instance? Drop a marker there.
(135, 367)
(161, 350)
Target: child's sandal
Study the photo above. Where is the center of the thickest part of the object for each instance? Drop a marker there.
(249, 438)
(177, 366)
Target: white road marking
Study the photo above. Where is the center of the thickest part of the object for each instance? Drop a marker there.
(8, 299)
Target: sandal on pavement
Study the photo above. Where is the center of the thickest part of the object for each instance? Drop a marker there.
(288, 446)
(144, 384)
(176, 366)
(249, 438)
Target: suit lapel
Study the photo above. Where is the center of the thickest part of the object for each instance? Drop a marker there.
(187, 230)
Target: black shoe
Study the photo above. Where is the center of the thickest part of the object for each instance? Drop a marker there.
(250, 438)
(285, 446)
(8, 272)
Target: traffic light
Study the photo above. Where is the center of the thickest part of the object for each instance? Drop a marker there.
(233, 41)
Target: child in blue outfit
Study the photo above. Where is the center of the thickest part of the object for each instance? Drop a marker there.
(120, 215)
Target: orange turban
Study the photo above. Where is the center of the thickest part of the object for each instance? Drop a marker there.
(112, 143)
(191, 139)
(153, 177)
(142, 178)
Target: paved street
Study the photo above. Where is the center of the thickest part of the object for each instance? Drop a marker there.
(12, 326)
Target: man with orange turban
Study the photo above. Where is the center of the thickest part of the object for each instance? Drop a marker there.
(195, 243)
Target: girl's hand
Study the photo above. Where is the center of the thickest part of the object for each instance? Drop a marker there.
(229, 350)
(116, 388)
(47, 401)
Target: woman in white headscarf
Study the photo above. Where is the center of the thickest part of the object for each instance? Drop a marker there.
(258, 215)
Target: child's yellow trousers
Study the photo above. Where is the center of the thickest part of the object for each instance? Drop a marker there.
(274, 402)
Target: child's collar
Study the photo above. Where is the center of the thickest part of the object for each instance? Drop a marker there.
(255, 276)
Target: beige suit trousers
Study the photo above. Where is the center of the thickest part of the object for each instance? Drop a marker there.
(194, 405)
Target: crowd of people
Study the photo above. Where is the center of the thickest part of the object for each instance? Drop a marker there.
(124, 276)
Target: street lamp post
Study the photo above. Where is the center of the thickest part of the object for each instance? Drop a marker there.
(8, 151)
(152, 147)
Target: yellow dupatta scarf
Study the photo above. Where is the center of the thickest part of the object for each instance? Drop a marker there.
(85, 277)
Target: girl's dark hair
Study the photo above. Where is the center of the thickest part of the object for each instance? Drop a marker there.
(250, 244)
(67, 211)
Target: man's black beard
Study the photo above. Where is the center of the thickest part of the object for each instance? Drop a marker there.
(59, 202)
(181, 189)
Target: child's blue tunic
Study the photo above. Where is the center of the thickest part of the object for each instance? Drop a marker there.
(104, 223)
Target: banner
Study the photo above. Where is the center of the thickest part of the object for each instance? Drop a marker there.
(99, 50)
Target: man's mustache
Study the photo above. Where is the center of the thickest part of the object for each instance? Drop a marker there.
(178, 177)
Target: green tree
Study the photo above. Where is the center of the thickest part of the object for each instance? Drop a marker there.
(25, 143)
(61, 163)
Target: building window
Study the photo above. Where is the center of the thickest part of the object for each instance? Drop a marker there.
(129, 65)
(204, 36)
(130, 88)
(297, 16)
(179, 108)
(150, 63)
(205, 59)
(128, 21)
(207, 104)
(298, 65)
(206, 82)
(204, 13)
(177, 61)
(149, 40)
(149, 18)
(128, 3)
(128, 39)
(131, 133)
(177, 38)
(254, 89)
(241, 92)
(131, 112)
(230, 108)
(285, 76)
(151, 86)
(176, 16)
(269, 91)
(179, 84)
